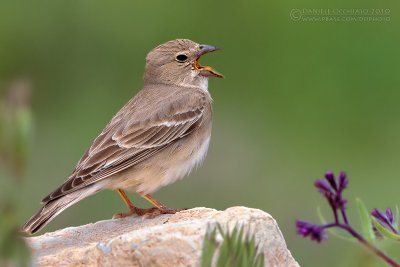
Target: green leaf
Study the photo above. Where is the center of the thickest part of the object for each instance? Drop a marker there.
(385, 232)
(237, 249)
(251, 247)
(365, 220)
(223, 259)
(338, 233)
(259, 262)
(209, 247)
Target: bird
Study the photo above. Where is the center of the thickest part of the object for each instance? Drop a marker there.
(158, 137)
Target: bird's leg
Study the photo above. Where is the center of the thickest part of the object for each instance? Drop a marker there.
(160, 206)
(132, 208)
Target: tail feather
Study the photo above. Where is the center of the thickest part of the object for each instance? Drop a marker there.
(54, 207)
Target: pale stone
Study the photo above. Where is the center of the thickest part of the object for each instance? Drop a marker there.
(166, 240)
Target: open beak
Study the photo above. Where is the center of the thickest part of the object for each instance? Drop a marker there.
(206, 71)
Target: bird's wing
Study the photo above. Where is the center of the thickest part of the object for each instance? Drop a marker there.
(133, 136)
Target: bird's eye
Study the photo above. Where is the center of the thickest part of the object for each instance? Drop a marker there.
(181, 58)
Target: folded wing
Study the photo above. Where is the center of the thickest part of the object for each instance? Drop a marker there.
(130, 139)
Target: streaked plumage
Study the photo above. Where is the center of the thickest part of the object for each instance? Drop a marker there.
(159, 136)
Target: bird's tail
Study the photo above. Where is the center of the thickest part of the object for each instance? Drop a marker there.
(54, 207)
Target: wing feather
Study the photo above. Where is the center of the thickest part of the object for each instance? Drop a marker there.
(128, 140)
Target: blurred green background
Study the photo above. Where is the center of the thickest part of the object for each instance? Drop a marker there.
(298, 98)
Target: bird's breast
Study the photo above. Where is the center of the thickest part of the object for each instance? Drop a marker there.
(188, 159)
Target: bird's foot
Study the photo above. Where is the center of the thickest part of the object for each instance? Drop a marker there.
(148, 213)
(133, 211)
(120, 215)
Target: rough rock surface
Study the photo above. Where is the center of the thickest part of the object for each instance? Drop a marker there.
(166, 240)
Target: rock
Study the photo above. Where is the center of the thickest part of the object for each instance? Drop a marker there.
(166, 240)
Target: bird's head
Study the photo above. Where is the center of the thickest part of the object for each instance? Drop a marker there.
(177, 62)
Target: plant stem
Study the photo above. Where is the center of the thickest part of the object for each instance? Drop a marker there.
(368, 245)
(345, 217)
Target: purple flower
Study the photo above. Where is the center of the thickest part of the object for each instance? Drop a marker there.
(342, 181)
(385, 219)
(380, 216)
(323, 187)
(314, 231)
(332, 189)
(389, 215)
(331, 179)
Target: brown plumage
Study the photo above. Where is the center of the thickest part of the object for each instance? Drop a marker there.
(155, 139)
